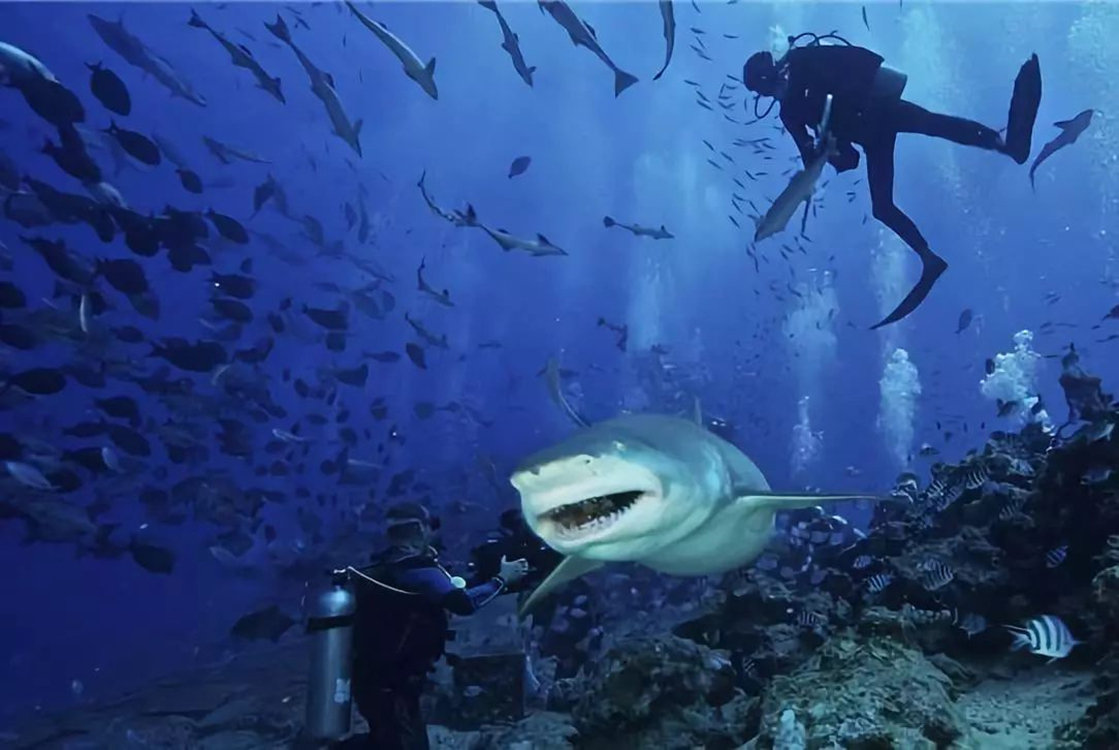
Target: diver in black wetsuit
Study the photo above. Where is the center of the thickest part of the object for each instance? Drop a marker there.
(400, 627)
(867, 109)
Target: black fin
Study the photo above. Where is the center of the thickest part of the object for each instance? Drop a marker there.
(1023, 110)
(932, 267)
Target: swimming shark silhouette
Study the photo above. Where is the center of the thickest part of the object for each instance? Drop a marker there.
(1070, 131)
(657, 490)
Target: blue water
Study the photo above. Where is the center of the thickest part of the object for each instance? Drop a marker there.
(640, 158)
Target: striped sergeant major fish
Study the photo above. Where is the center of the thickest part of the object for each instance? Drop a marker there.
(1045, 636)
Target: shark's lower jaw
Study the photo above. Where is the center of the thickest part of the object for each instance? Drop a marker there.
(586, 517)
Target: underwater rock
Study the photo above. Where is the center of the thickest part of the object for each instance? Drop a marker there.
(662, 692)
(870, 694)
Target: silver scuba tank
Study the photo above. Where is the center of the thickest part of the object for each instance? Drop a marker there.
(330, 625)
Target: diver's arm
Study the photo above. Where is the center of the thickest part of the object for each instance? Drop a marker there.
(436, 586)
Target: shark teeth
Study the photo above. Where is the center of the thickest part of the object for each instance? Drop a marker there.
(592, 514)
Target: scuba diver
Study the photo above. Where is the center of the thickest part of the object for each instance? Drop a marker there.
(400, 626)
(868, 110)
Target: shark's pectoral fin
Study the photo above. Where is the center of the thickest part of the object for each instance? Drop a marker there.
(568, 570)
(777, 501)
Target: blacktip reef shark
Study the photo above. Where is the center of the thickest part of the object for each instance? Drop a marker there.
(414, 68)
(669, 18)
(582, 35)
(639, 231)
(1070, 131)
(510, 42)
(657, 490)
(322, 86)
(138, 54)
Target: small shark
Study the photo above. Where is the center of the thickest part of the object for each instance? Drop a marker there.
(139, 55)
(669, 18)
(322, 86)
(800, 189)
(430, 338)
(226, 154)
(443, 298)
(467, 218)
(510, 43)
(657, 490)
(241, 58)
(1070, 131)
(638, 230)
(422, 74)
(538, 247)
(582, 35)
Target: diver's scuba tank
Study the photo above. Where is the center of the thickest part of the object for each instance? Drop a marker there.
(330, 625)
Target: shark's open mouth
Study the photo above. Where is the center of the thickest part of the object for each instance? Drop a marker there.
(595, 513)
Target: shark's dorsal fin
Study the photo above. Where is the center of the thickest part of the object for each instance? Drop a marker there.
(1062, 123)
(568, 570)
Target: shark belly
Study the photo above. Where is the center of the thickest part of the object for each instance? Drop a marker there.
(731, 538)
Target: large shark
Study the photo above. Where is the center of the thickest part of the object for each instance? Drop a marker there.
(657, 490)
(582, 35)
(799, 191)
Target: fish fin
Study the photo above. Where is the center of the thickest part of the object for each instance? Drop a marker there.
(778, 501)
(542, 238)
(608, 222)
(622, 81)
(591, 29)
(568, 570)
(196, 20)
(1062, 124)
(357, 126)
(430, 67)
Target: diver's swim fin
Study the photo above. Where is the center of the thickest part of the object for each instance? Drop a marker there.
(932, 266)
(1023, 110)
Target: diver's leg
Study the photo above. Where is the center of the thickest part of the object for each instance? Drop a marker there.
(880, 177)
(912, 118)
(410, 720)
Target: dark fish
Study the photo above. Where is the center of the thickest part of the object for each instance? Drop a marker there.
(202, 356)
(71, 156)
(865, 22)
(11, 296)
(126, 276)
(519, 165)
(241, 287)
(269, 623)
(109, 89)
(136, 144)
(18, 337)
(232, 309)
(191, 182)
(228, 227)
(416, 354)
(1070, 131)
(355, 376)
(332, 320)
(120, 407)
(965, 320)
(38, 381)
(152, 558)
(989, 366)
(128, 440)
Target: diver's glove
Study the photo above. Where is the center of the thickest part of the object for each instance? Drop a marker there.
(512, 570)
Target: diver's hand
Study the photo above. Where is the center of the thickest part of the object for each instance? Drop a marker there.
(513, 570)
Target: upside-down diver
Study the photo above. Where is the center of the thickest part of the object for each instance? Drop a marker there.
(868, 110)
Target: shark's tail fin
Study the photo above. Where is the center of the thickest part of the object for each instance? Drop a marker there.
(608, 222)
(622, 81)
(196, 20)
(488, 5)
(279, 29)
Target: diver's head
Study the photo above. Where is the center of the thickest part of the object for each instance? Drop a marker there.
(761, 74)
(411, 526)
